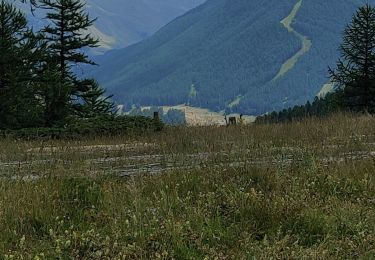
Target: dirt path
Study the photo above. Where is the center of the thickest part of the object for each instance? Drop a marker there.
(306, 43)
(121, 163)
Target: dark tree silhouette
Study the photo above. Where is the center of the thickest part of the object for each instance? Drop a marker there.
(38, 88)
(93, 101)
(66, 37)
(355, 72)
(20, 52)
(68, 33)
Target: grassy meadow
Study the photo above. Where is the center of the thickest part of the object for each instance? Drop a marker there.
(301, 190)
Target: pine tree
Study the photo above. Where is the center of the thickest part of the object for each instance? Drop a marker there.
(66, 38)
(55, 96)
(19, 58)
(93, 101)
(32, 2)
(13, 31)
(355, 72)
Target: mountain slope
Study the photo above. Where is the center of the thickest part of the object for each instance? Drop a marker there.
(323, 23)
(124, 22)
(129, 21)
(244, 56)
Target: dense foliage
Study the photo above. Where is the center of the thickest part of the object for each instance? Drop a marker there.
(89, 128)
(355, 72)
(20, 56)
(40, 93)
(320, 107)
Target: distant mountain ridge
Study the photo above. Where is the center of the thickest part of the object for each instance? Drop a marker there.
(124, 22)
(129, 21)
(235, 55)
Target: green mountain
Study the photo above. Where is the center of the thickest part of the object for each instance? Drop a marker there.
(239, 55)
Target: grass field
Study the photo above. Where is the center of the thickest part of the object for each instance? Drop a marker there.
(290, 191)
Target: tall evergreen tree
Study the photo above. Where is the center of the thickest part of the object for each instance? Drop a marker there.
(19, 57)
(66, 36)
(355, 72)
(55, 96)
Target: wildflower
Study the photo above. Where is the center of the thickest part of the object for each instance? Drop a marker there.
(39, 256)
(99, 253)
(67, 243)
(22, 241)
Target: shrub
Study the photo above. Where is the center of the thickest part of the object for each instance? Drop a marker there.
(100, 126)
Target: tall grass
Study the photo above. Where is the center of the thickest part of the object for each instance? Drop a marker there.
(301, 191)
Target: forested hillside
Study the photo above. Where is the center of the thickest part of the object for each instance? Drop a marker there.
(244, 56)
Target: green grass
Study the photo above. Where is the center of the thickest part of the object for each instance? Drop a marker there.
(291, 191)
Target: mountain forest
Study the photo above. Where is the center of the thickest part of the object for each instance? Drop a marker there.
(249, 57)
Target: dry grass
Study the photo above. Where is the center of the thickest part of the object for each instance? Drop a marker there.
(293, 191)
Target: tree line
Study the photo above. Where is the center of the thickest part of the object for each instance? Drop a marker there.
(38, 86)
(353, 77)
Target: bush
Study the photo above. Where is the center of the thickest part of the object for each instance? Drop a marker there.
(100, 126)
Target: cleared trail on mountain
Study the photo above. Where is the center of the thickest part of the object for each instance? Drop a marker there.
(306, 43)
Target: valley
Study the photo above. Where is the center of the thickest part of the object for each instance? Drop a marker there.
(243, 57)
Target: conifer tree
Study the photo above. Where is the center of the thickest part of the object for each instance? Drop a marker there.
(93, 101)
(66, 38)
(19, 57)
(32, 2)
(355, 72)
(55, 96)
